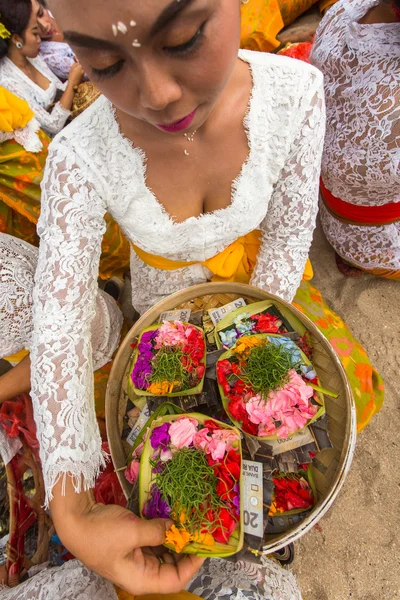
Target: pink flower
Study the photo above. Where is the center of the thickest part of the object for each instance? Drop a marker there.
(182, 432)
(257, 409)
(202, 439)
(225, 435)
(217, 449)
(132, 472)
(289, 406)
(170, 334)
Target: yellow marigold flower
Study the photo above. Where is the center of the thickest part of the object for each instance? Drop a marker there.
(247, 342)
(178, 538)
(162, 388)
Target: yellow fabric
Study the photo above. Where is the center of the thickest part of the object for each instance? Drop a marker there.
(14, 112)
(261, 21)
(16, 358)
(122, 595)
(235, 263)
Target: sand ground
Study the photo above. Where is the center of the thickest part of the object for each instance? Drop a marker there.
(354, 552)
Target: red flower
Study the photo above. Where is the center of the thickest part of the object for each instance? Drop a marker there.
(224, 367)
(292, 492)
(266, 323)
(232, 464)
(249, 427)
(236, 408)
(226, 525)
(211, 425)
(225, 489)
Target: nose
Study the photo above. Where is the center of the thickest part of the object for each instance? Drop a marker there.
(157, 87)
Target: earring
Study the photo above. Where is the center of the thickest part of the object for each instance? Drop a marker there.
(19, 45)
(244, 1)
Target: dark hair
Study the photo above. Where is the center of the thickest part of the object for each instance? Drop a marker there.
(14, 15)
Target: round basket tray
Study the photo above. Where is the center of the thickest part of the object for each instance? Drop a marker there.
(332, 464)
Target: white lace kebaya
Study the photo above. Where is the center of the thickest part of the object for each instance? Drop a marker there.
(18, 261)
(92, 169)
(59, 57)
(15, 80)
(360, 165)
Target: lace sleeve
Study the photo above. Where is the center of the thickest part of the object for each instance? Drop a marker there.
(51, 122)
(71, 227)
(288, 226)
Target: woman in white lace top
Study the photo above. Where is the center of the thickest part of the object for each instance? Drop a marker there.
(25, 74)
(197, 153)
(357, 47)
(166, 70)
(55, 52)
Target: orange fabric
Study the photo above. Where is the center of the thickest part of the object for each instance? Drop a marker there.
(385, 273)
(261, 21)
(359, 215)
(292, 9)
(235, 263)
(325, 4)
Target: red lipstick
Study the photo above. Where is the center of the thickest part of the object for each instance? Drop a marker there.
(179, 125)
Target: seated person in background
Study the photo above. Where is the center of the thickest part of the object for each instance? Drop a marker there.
(357, 48)
(53, 50)
(25, 74)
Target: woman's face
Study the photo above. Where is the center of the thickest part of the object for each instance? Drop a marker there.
(44, 20)
(164, 62)
(31, 41)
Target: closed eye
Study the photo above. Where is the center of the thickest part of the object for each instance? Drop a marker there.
(108, 71)
(187, 47)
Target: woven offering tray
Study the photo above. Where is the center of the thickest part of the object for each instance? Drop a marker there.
(333, 437)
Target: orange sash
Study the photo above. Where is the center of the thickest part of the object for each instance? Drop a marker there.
(235, 263)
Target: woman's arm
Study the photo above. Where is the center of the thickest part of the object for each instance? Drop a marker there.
(71, 226)
(290, 221)
(109, 539)
(16, 381)
(74, 78)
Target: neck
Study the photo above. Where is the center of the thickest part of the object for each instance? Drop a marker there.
(17, 58)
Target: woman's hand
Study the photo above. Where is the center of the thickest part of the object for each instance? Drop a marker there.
(76, 74)
(119, 546)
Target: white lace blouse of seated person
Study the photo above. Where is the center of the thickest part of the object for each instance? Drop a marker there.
(25, 74)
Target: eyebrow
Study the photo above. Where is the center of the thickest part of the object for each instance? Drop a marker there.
(87, 41)
(169, 14)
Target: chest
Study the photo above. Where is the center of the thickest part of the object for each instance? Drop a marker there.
(37, 77)
(196, 176)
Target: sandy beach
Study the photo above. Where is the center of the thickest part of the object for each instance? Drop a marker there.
(354, 552)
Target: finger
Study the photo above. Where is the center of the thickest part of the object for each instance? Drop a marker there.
(167, 558)
(157, 578)
(151, 533)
